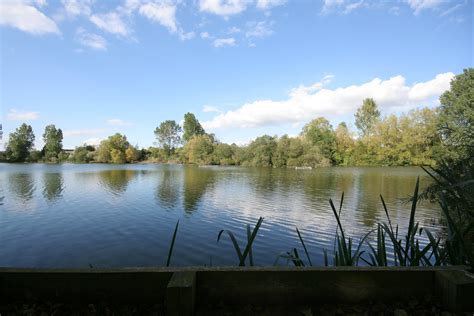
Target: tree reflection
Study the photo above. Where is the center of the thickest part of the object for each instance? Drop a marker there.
(53, 186)
(167, 191)
(22, 185)
(196, 182)
(116, 180)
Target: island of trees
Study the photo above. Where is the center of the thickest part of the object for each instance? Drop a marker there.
(415, 138)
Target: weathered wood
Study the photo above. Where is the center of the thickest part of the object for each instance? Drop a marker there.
(456, 289)
(180, 294)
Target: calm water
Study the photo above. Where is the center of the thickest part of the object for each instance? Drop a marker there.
(124, 215)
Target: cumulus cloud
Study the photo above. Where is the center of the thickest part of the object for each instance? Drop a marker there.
(118, 122)
(111, 22)
(222, 42)
(91, 40)
(223, 7)
(210, 108)
(27, 18)
(304, 103)
(20, 115)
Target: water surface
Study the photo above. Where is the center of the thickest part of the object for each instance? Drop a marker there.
(124, 215)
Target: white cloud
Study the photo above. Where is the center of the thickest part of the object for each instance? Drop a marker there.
(91, 40)
(162, 13)
(342, 6)
(205, 35)
(82, 132)
(259, 29)
(330, 4)
(312, 88)
(221, 42)
(210, 108)
(305, 103)
(26, 18)
(267, 4)
(20, 115)
(425, 90)
(118, 122)
(223, 7)
(353, 6)
(111, 22)
(77, 7)
(420, 5)
(94, 141)
(40, 3)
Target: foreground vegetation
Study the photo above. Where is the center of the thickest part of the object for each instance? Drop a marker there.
(415, 138)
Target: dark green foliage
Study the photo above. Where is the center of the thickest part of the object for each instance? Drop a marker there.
(456, 118)
(82, 154)
(454, 190)
(191, 127)
(20, 143)
(53, 143)
(320, 133)
(168, 135)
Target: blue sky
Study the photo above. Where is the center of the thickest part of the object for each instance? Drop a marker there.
(243, 67)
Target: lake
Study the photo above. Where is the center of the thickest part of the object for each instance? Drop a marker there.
(73, 215)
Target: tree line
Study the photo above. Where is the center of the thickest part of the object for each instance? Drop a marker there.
(414, 138)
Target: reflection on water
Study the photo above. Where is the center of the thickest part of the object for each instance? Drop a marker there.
(116, 181)
(107, 215)
(22, 186)
(196, 181)
(167, 191)
(52, 186)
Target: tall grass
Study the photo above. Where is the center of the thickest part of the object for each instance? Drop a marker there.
(407, 251)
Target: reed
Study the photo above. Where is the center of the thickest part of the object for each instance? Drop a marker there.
(173, 239)
(251, 235)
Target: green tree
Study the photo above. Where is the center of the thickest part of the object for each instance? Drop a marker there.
(223, 154)
(260, 152)
(53, 142)
(367, 116)
(319, 132)
(456, 117)
(20, 143)
(113, 149)
(132, 154)
(82, 154)
(280, 158)
(344, 144)
(191, 127)
(199, 150)
(168, 135)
